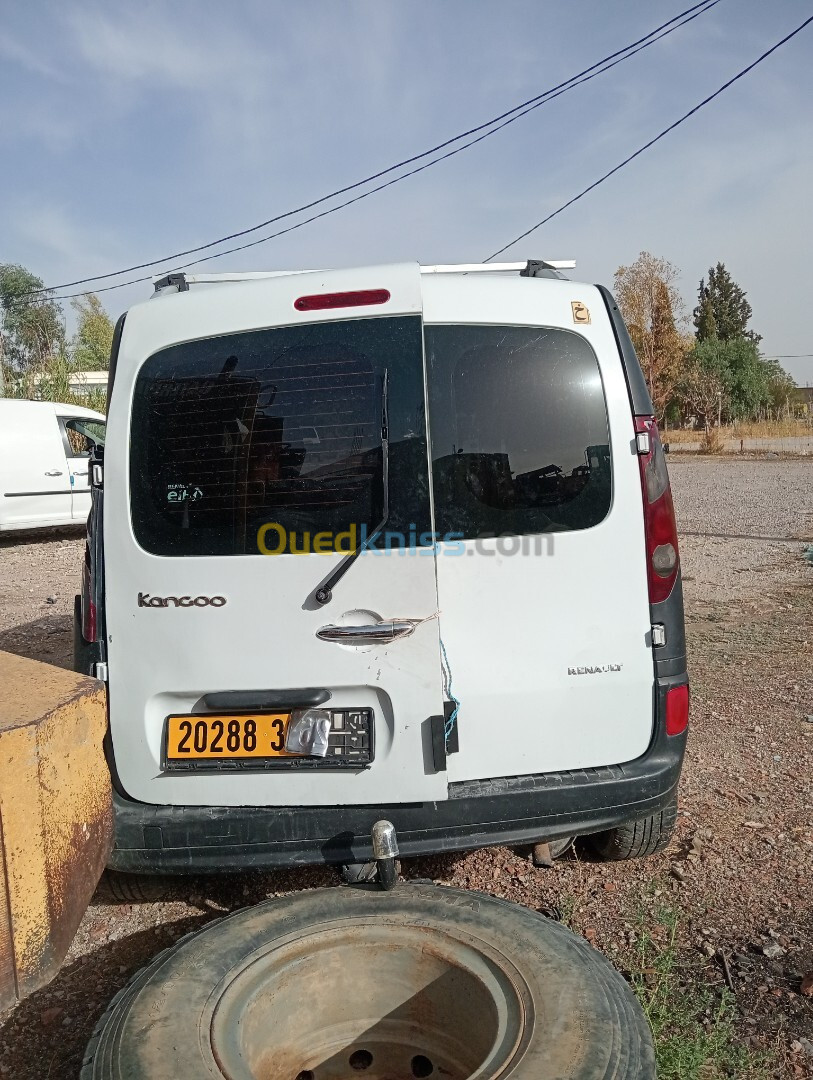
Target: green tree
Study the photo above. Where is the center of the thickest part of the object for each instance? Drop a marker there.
(700, 388)
(743, 375)
(33, 325)
(652, 309)
(704, 321)
(90, 347)
(722, 309)
(781, 388)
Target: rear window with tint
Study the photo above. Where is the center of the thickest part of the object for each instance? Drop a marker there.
(519, 434)
(281, 426)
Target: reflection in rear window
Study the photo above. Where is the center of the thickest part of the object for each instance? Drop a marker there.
(519, 435)
(280, 426)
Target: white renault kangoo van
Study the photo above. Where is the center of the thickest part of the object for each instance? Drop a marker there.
(394, 543)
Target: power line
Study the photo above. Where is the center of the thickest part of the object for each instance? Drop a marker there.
(651, 142)
(501, 121)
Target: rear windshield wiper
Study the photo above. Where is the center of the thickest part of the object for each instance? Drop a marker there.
(324, 593)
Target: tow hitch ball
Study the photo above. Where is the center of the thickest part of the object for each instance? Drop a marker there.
(385, 852)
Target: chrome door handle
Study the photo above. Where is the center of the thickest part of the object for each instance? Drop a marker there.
(78, 472)
(54, 472)
(376, 632)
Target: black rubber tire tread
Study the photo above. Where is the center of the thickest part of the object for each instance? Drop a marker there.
(135, 888)
(107, 1019)
(636, 839)
(596, 1029)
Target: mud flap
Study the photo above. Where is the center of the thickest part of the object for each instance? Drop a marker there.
(56, 819)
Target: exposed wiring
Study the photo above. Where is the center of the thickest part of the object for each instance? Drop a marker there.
(447, 689)
(651, 142)
(496, 124)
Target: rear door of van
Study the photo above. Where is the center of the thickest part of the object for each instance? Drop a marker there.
(257, 434)
(542, 583)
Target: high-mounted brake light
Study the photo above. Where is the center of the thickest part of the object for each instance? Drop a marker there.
(659, 513)
(362, 298)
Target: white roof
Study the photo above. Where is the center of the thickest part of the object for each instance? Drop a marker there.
(61, 408)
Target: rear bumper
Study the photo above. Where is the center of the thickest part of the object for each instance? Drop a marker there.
(514, 810)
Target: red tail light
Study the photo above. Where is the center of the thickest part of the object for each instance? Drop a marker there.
(88, 607)
(659, 514)
(89, 621)
(677, 710)
(321, 301)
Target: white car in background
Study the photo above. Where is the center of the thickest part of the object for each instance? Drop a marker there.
(44, 453)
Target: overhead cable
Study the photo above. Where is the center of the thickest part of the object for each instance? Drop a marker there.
(651, 142)
(489, 127)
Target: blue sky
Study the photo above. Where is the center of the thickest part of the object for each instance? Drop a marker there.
(130, 131)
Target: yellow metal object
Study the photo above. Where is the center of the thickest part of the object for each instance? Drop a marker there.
(56, 821)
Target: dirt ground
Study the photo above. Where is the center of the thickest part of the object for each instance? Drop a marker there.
(733, 888)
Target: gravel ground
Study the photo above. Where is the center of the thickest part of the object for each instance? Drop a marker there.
(740, 867)
(720, 505)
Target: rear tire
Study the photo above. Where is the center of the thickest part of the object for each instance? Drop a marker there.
(420, 981)
(636, 839)
(134, 888)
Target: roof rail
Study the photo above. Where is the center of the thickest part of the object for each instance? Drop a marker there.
(526, 268)
(530, 268)
(182, 281)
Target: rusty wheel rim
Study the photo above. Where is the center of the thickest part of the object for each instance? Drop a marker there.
(371, 1000)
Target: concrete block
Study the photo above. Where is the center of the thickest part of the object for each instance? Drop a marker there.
(56, 820)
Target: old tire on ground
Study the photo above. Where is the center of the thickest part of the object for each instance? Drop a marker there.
(635, 839)
(418, 982)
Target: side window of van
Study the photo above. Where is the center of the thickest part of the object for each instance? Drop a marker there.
(518, 429)
(83, 435)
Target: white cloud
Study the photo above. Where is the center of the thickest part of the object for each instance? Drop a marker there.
(135, 45)
(30, 60)
(52, 234)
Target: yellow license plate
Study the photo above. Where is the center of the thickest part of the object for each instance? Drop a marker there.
(258, 735)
